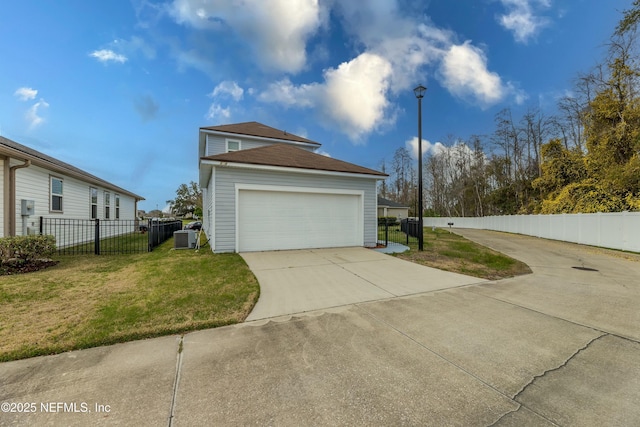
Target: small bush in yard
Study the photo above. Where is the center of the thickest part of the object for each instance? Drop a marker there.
(391, 220)
(26, 248)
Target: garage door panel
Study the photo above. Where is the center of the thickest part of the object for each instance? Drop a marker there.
(271, 220)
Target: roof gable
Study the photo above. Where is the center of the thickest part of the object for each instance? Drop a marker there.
(259, 130)
(288, 156)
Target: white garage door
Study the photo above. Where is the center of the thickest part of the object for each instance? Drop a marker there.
(278, 220)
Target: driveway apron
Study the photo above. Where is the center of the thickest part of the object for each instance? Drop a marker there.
(314, 279)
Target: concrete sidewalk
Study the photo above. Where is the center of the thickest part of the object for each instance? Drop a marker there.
(313, 279)
(558, 347)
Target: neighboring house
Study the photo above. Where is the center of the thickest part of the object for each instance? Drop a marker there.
(390, 208)
(266, 189)
(56, 190)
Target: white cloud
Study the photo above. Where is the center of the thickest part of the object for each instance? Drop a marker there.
(352, 96)
(395, 51)
(225, 91)
(355, 94)
(276, 30)
(465, 74)
(228, 88)
(521, 18)
(26, 93)
(32, 116)
(285, 93)
(407, 43)
(519, 96)
(218, 113)
(414, 44)
(427, 147)
(107, 55)
(120, 50)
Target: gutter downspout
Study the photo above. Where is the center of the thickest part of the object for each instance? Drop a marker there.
(12, 195)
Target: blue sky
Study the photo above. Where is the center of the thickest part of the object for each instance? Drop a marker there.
(119, 88)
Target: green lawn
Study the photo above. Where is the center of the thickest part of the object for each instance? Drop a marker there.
(452, 252)
(134, 242)
(87, 301)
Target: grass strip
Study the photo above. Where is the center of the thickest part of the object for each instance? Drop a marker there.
(87, 301)
(452, 252)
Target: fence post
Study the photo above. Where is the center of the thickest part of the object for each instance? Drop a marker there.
(41, 221)
(96, 244)
(406, 231)
(150, 232)
(386, 231)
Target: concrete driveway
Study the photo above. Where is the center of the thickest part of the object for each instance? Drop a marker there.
(559, 347)
(305, 280)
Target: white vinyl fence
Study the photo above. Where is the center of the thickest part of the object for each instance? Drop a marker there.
(619, 230)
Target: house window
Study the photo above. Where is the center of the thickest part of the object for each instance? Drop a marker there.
(232, 145)
(107, 205)
(117, 198)
(94, 202)
(56, 194)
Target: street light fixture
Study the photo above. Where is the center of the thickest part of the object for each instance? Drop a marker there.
(419, 92)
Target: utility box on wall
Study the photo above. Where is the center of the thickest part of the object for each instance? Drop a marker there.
(28, 207)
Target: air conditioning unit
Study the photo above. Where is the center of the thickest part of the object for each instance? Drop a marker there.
(184, 239)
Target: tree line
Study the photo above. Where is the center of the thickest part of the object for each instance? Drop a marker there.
(583, 158)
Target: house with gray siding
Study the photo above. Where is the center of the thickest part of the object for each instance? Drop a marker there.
(266, 189)
(35, 185)
(387, 208)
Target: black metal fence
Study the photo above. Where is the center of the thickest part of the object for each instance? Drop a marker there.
(94, 236)
(404, 232)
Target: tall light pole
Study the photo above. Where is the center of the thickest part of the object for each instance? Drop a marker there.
(419, 92)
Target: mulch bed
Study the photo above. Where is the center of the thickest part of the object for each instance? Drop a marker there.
(18, 267)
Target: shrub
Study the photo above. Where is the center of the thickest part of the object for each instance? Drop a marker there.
(586, 197)
(26, 248)
(388, 219)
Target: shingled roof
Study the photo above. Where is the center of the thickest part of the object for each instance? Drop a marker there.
(260, 130)
(389, 203)
(288, 156)
(16, 150)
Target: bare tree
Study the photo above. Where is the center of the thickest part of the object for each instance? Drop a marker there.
(382, 184)
(403, 177)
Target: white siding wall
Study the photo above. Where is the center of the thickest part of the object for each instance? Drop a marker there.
(618, 230)
(217, 144)
(226, 178)
(33, 183)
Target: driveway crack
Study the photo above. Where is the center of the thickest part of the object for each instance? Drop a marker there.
(504, 415)
(520, 407)
(537, 377)
(176, 380)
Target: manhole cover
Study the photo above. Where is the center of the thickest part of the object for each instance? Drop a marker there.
(585, 268)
